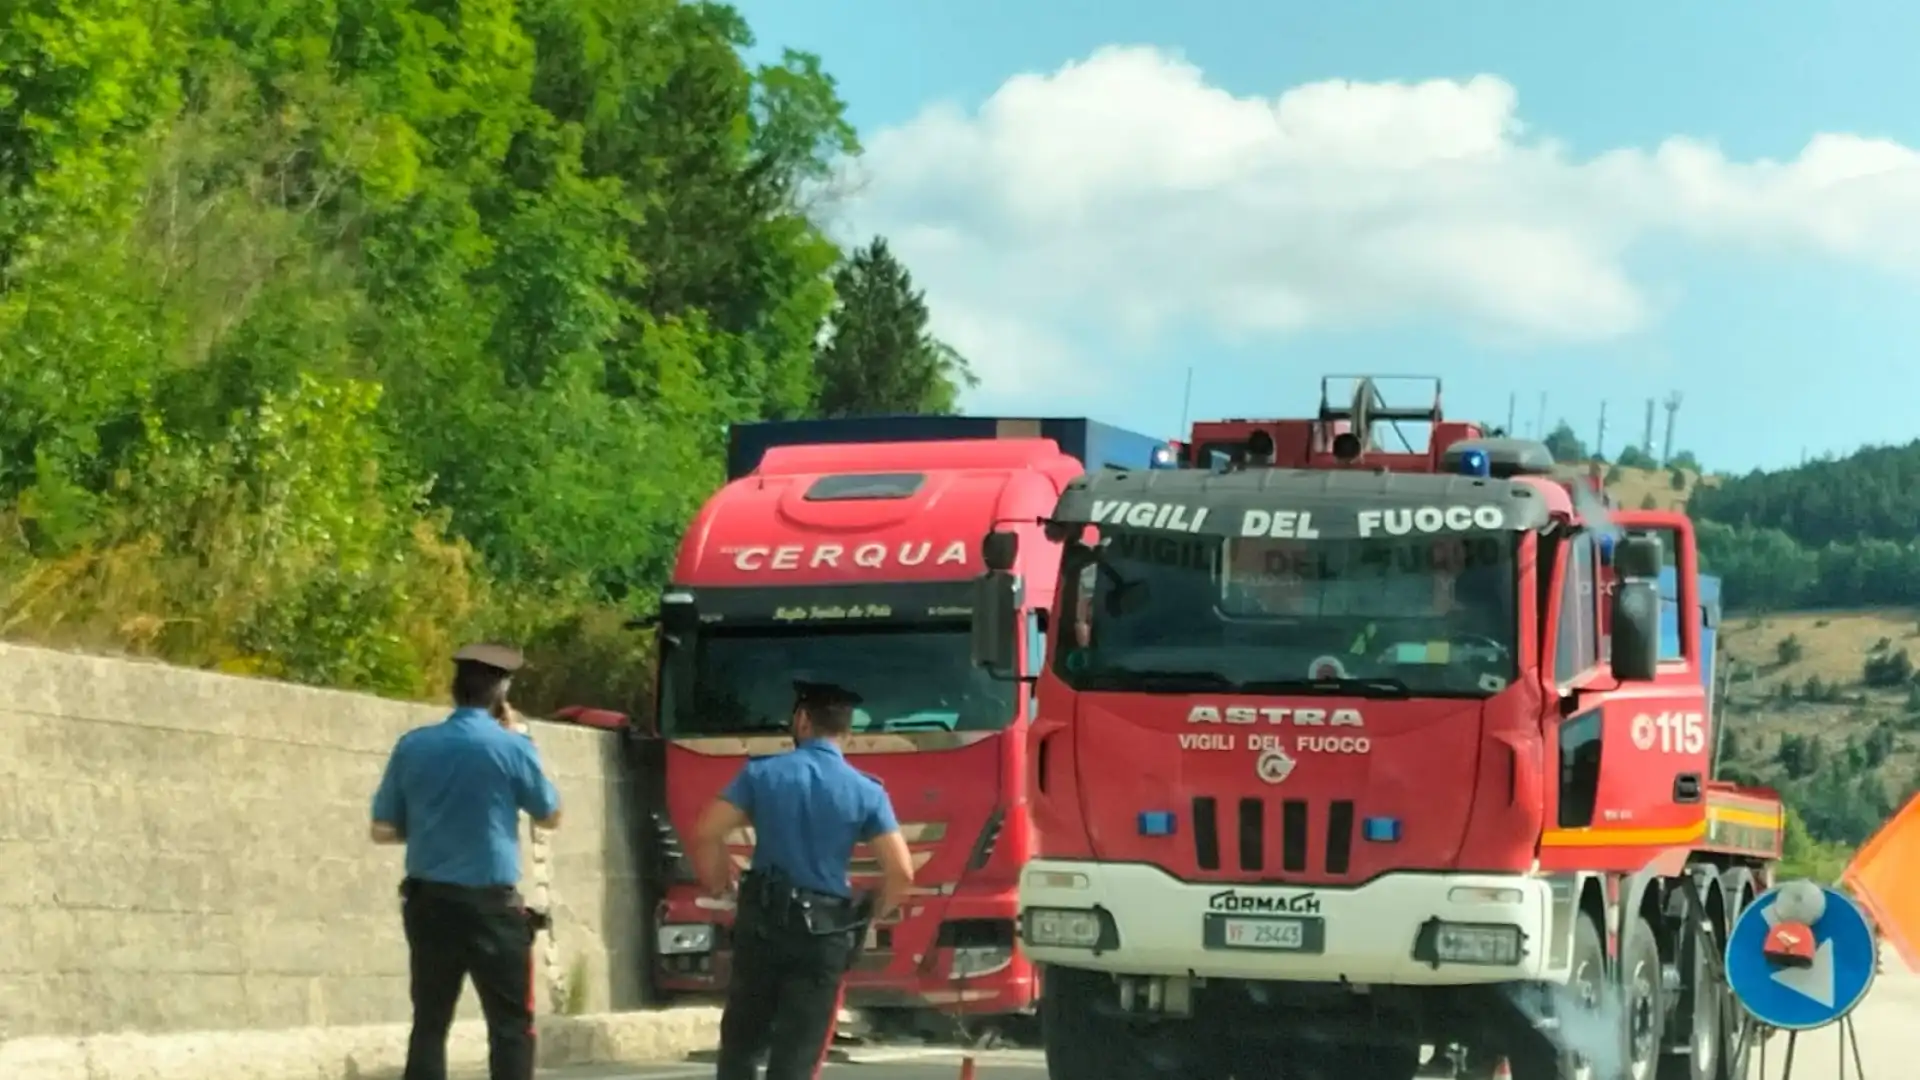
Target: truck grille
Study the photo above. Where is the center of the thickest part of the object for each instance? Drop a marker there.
(1295, 819)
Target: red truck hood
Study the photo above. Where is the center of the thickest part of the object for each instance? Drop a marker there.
(944, 786)
(1277, 789)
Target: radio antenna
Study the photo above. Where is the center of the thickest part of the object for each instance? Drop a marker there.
(1186, 404)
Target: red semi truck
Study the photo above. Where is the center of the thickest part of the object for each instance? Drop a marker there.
(1343, 752)
(844, 551)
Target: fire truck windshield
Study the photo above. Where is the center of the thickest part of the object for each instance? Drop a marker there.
(910, 678)
(1426, 616)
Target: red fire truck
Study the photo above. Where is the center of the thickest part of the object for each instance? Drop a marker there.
(1344, 752)
(844, 551)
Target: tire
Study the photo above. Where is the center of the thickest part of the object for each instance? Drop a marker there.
(1644, 1000)
(1704, 1056)
(1086, 1038)
(1537, 1055)
(1386, 1061)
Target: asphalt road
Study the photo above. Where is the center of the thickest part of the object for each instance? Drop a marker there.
(1887, 1027)
(919, 1063)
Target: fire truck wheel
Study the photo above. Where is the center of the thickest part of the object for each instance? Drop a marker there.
(1373, 1061)
(1644, 996)
(1706, 1007)
(1086, 1039)
(1535, 1055)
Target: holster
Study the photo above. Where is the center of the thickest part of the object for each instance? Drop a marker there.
(537, 921)
(863, 904)
(783, 907)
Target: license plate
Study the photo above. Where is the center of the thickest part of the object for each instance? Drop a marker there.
(1260, 933)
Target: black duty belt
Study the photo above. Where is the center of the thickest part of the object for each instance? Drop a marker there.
(472, 894)
(484, 897)
(788, 905)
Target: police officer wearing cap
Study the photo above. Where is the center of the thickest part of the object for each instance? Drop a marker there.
(453, 793)
(798, 926)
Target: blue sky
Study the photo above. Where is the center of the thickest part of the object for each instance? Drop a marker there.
(1780, 336)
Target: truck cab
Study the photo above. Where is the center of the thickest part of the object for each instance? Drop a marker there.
(1338, 761)
(843, 551)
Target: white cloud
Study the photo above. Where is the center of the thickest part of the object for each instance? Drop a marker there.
(1123, 192)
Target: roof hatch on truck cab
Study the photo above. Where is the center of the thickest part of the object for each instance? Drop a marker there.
(848, 486)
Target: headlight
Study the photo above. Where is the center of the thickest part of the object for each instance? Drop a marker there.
(1063, 927)
(683, 938)
(1457, 943)
(973, 962)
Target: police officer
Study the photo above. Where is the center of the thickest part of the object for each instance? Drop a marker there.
(452, 794)
(798, 927)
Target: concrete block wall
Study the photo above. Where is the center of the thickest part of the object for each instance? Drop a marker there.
(185, 851)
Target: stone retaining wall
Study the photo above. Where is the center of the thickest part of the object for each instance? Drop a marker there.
(182, 851)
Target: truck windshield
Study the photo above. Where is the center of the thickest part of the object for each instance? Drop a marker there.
(910, 679)
(1422, 617)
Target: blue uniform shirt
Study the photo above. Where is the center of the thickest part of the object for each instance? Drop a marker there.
(455, 790)
(809, 808)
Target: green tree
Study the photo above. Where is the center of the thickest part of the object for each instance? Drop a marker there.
(1789, 650)
(1635, 458)
(1888, 669)
(878, 356)
(1564, 444)
(332, 337)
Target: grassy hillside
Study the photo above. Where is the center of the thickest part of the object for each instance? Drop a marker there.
(1651, 489)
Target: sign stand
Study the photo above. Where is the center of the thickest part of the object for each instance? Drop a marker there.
(1849, 1041)
(1801, 957)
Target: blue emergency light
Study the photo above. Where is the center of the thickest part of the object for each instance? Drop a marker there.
(1164, 458)
(1606, 549)
(1475, 463)
(1380, 830)
(1156, 823)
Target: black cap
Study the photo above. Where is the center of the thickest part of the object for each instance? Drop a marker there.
(498, 657)
(823, 695)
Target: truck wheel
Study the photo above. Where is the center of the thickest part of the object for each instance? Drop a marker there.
(1087, 1038)
(1538, 1055)
(1645, 1000)
(1379, 1061)
(1708, 1000)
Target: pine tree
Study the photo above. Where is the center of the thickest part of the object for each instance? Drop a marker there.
(878, 356)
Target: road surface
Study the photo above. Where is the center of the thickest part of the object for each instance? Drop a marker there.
(917, 1063)
(1887, 1024)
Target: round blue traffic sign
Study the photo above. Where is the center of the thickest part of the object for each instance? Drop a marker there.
(1798, 998)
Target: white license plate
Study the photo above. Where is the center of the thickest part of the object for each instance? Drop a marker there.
(1277, 934)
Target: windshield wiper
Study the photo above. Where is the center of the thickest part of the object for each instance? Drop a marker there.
(1169, 681)
(892, 726)
(1368, 688)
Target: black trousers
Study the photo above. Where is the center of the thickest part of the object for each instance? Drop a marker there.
(783, 996)
(455, 933)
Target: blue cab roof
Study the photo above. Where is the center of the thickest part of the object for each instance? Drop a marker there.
(1095, 444)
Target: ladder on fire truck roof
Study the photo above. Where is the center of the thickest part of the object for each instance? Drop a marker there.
(1368, 406)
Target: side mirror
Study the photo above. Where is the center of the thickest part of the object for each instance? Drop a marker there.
(999, 550)
(1636, 629)
(1638, 555)
(679, 617)
(997, 602)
